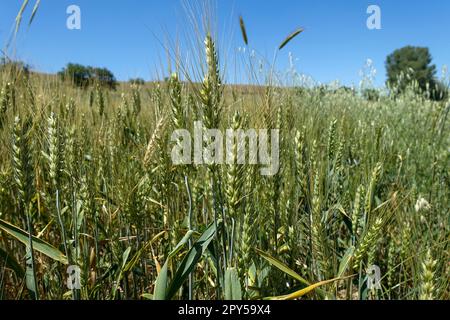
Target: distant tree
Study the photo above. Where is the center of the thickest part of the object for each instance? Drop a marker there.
(77, 73)
(104, 77)
(84, 76)
(413, 64)
(137, 81)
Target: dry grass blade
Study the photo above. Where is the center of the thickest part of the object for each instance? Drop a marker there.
(243, 30)
(290, 37)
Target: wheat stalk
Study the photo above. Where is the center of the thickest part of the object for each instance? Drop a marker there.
(24, 176)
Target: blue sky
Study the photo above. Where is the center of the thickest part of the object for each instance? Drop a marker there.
(124, 35)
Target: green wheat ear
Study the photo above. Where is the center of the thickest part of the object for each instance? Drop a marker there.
(100, 100)
(233, 188)
(290, 37)
(243, 30)
(153, 142)
(136, 100)
(357, 212)
(376, 173)
(175, 95)
(368, 241)
(211, 92)
(427, 287)
(55, 153)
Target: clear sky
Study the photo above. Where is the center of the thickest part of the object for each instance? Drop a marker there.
(124, 35)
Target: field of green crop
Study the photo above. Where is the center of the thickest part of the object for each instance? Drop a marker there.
(87, 180)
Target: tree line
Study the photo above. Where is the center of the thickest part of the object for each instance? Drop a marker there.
(84, 76)
(408, 67)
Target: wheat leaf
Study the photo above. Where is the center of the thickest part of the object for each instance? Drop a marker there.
(38, 244)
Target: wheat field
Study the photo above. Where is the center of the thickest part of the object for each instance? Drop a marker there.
(87, 181)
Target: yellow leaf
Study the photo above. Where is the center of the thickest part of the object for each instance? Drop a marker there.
(302, 292)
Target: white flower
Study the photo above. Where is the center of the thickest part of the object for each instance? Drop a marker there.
(422, 204)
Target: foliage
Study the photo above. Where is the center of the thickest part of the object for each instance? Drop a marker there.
(413, 65)
(83, 76)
